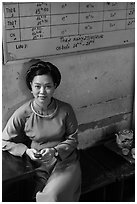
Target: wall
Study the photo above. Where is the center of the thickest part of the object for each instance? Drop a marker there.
(99, 85)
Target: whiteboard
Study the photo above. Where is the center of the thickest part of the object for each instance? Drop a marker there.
(40, 29)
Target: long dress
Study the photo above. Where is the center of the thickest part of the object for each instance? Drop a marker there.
(27, 129)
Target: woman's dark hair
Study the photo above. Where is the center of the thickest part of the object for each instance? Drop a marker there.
(41, 68)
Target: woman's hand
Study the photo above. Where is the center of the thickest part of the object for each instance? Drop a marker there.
(47, 154)
(31, 153)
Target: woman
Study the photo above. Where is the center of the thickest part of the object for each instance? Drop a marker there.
(51, 127)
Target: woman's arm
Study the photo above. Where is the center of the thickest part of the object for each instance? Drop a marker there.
(70, 143)
(13, 135)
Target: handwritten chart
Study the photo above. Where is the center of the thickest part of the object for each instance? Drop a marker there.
(51, 28)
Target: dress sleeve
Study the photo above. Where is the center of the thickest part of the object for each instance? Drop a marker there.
(70, 143)
(13, 137)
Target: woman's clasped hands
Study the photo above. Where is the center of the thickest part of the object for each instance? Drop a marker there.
(45, 154)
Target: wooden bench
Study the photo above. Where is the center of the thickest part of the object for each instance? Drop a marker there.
(102, 171)
(105, 172)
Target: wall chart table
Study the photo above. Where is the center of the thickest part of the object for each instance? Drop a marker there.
(50, 28)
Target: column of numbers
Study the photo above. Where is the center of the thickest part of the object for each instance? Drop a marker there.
(114, 16)
(35, 21)
(130, 22)
(64, 20)
(91, 17)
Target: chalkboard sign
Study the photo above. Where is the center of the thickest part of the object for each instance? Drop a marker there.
(51, 28)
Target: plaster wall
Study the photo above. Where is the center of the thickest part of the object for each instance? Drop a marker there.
(99, 85)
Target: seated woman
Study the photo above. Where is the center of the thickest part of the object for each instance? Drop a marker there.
(51, 127)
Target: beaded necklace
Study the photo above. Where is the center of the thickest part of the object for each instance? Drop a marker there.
(45, 116)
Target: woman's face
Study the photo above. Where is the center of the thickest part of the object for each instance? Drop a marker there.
(43, 89)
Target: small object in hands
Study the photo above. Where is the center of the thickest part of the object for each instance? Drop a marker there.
(125, 151)
(38, 155)
(133, 152)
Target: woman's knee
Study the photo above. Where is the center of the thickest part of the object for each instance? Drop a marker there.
(46, 197)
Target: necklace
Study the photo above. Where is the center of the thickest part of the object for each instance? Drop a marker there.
(45, 116)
